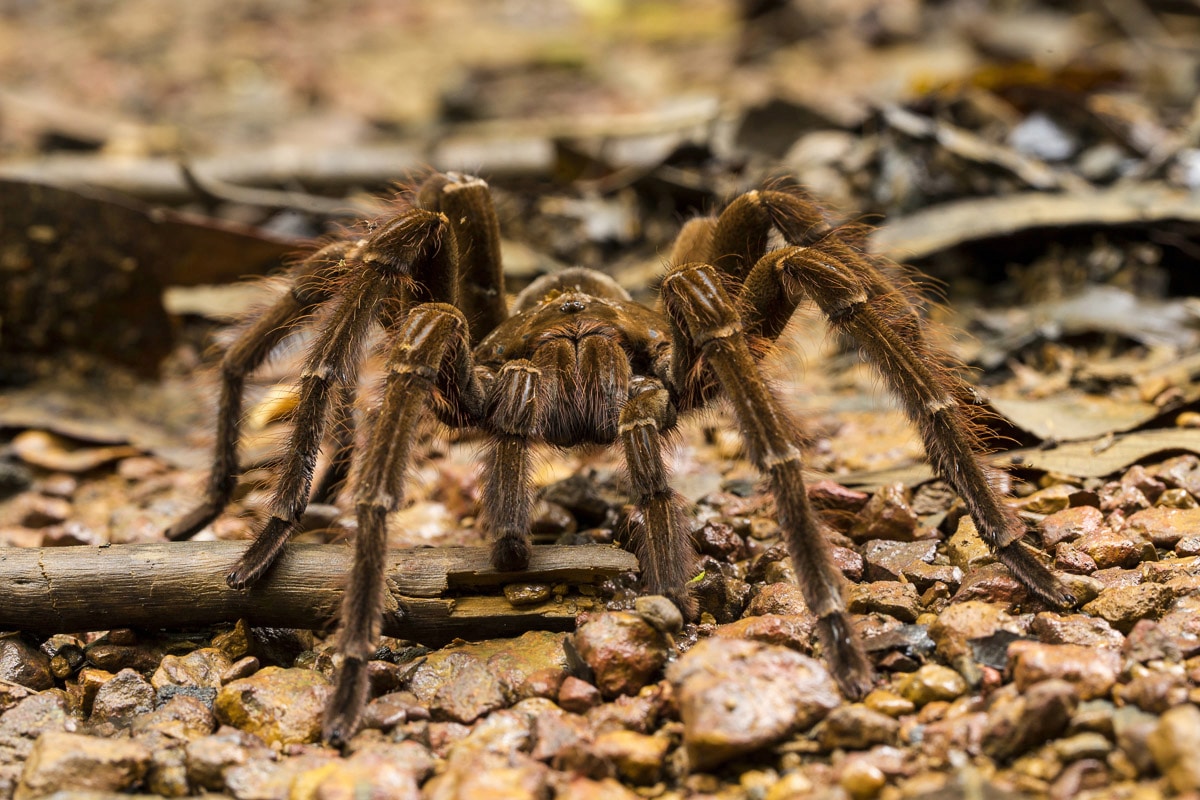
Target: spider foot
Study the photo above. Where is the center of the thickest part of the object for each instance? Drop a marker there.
(1034, 575)
(261, 554)
(194, 520)
(845, 654)
(510, 553)
(345, 708)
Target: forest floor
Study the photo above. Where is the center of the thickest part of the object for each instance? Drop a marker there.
(1037, 165)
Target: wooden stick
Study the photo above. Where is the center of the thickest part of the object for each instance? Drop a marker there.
(181, 585)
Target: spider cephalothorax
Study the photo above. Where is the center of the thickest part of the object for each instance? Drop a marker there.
(576, 361)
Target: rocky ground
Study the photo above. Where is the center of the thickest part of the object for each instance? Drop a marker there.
(1039, 159)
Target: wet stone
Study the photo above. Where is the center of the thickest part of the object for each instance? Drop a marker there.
(857, 727)
(622, 650)
(1092, 670)
(181, 717)
(848, 562)
(1181, 626)
(1164, 526)
(1070, 524)
(526, 594)
(930, 683)
(390, 710)
(890, 703)
(122, 698)
(895, 599)
(825, 495)
(73, 761)
(736, 696)
(544, 682)
(208, 757)
(1188, 546)
(1126, 499)
(1083, 745)
(887, 515)
(889, 560)
(1174, 744)
(277, 705)
(24, 664)
(1123, 606)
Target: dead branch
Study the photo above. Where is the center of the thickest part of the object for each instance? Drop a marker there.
(443, 591)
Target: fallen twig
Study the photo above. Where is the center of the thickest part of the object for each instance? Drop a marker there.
(180, 585)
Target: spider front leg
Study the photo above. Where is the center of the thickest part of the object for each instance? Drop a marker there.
(312, 284)
(701, 311)
(666, 552)
(431, 353)
(513, 408)
(883, 323)
(409, 256)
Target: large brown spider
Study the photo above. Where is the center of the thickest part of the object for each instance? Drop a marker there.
(576, 361)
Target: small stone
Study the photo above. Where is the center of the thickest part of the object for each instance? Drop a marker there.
(208, 757)
(961, 622)
(895, 599)
(1068, 558)
(181, 717)
(544, 682)
(458, 686)
(1154, 692)
(1049, 500)
(888, 560)
(122, 698)
(1070, 524)
(1126, 499)
(1123, 606)
(278, 705)
(965, 549)
(929, 683)
(1176, 498)
(848, 562)
(1181, 626)
(622, 651)
(1017, 723)
(1133, 729)
(890, 703)
(637, 757)
(396, 708)
(825, 495)
(1164, 527)
(203, 667)
(1174, 744)
(721, 541)
(24, 664)
(856, 727)
(1088, 744)
(61, 761)
(578, 696)
(736, 696)
(791, 786)
(887, 515)
(235, 644)
(861, 779)
(242, 668)
(777, 598)
(991, 583)
(526, 594)
(579, 788)
(1188, 546)
(1092, 670)
(659, 613)
(1110, 549)
(1081, 629)
(794, 631)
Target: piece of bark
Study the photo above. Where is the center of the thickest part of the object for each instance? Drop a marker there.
(180, 585)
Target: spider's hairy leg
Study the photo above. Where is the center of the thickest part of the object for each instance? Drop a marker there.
(880, 319)
(513, 412)
(413, 245)
(430, 349)
(467, 204)
(665, 550)
(699, 307)
(342, 439)
(311, 285)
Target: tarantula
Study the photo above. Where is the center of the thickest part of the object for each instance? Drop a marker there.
(575, 361)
